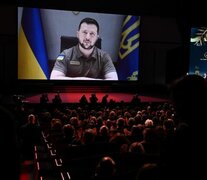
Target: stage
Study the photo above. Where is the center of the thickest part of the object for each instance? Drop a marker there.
(74, 97)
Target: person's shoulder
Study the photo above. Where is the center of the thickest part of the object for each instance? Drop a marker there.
(101, 53)
(69, 50)
(67, 53)
(98, 50)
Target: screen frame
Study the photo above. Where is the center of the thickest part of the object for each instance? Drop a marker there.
(77, 82)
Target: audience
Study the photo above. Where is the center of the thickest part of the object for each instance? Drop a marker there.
(165, 138)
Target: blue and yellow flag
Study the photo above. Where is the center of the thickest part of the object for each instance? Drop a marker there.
(32, 56)
(128, 59)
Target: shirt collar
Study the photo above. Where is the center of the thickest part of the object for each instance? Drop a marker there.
(80, 54)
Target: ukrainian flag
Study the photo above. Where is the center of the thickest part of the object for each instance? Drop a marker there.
(128, 58)
(32, 56)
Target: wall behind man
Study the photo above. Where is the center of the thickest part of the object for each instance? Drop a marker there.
(57, 23)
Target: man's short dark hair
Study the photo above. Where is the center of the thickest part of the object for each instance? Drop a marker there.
(89, 21)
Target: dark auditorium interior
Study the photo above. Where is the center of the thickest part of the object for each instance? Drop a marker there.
(146, 129)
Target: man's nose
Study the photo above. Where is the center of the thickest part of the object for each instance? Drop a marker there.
(88, 35)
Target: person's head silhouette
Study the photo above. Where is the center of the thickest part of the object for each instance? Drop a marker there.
(189, 95)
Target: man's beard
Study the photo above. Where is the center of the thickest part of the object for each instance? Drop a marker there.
(87, 48)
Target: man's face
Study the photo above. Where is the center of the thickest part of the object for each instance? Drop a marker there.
(87, 35)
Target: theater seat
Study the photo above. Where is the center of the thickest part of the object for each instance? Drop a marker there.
(69, 41)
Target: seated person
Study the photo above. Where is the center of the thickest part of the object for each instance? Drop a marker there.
(44, 98)
(85, 61)
(57, 99)
(93, 99)
(83, 100)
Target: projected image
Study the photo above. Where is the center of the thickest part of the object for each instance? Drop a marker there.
(67, 45)
(198, 51)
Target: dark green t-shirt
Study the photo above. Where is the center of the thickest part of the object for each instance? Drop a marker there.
(73, 64)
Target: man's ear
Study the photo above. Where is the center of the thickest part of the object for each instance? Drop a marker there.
(97, 38)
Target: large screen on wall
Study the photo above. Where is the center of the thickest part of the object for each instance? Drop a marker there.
(198, 51)
(52, 45)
